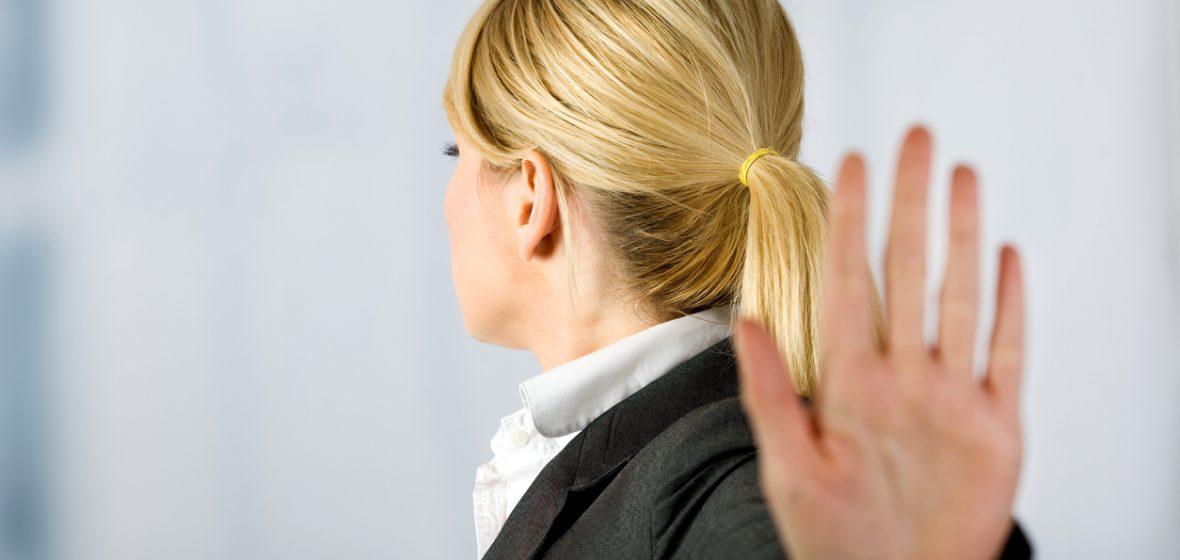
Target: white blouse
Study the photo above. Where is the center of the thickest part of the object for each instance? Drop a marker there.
(565, 399)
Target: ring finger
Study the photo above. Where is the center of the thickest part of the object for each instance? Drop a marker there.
(959, 302)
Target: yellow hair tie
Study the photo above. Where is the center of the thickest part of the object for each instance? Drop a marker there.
(750, 161)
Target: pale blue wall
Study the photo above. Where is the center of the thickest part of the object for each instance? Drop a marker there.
(25, 289)
(251, 348)
(25, 405)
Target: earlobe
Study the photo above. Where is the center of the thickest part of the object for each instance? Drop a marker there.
(538, 211)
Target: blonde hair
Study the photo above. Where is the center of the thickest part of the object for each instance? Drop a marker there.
(645, 110)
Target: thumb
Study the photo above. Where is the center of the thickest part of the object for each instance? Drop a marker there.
(781, 426)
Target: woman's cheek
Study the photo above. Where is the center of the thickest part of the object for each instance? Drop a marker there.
(448, 207)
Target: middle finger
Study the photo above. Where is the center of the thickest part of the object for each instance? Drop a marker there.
(905, 254)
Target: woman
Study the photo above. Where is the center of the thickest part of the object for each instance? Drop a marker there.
(626, 190)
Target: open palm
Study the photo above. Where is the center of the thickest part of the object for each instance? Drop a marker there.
(904, 453)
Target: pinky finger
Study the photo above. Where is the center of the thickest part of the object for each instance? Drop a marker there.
(1006, 358)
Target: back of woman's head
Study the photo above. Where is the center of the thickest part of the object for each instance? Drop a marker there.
(646, 110)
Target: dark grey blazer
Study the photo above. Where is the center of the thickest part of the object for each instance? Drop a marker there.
(669, 472)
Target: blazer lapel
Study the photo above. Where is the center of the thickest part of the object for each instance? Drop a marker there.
(608, 442)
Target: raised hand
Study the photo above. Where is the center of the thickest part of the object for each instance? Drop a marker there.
(904, 453)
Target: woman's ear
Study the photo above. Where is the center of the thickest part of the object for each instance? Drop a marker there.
(537, 212)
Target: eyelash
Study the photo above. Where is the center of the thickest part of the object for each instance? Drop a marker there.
(451, 150)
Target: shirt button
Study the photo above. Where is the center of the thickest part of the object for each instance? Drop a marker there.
(519, 437)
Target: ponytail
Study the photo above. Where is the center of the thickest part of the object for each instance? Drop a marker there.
(782, 274)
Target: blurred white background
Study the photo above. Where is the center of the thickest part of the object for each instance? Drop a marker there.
(227, 328)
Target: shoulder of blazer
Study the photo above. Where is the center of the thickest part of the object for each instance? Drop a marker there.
(700, 479)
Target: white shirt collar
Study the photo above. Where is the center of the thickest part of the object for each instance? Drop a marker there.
(566, 398)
